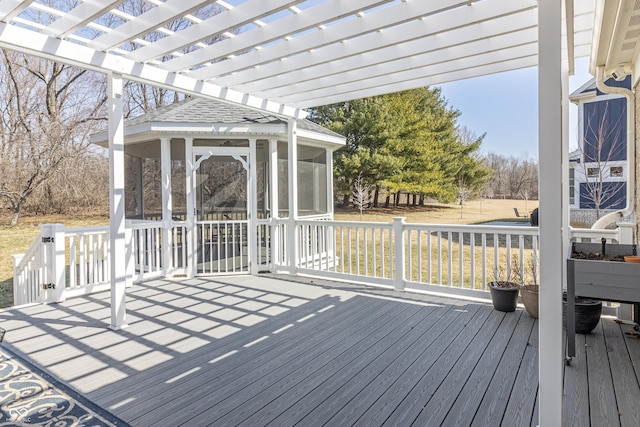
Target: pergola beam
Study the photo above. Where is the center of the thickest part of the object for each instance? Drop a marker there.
(458, 20)
(80, 16)
(148, 21)
(514, 64)
(310, 18)
(356, 81)
(243, 14)
(9, 9)
(445, 57)
(41, 45)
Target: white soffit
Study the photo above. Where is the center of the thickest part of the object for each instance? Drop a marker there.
(616, 35)
(285, 55)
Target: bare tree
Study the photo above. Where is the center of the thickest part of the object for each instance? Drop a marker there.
(463, 193)
(361, 195)
(47, 110)
(603, 144)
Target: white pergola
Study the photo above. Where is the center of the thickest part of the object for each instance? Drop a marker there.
(284, 55)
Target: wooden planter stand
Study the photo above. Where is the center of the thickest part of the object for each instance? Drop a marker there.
(603, 280)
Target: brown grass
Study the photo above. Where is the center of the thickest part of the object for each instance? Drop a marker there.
(473, 212)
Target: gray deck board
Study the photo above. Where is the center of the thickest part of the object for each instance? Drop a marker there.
(476, 365)
(494, 382)
(232, 375)
(576, 409)
(421, 394)
(625, 382)
(519, 411)
(300, 356)
(602, 398)
(322, 368)
(279, 351)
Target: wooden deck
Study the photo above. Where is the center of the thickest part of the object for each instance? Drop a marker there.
(266, 351)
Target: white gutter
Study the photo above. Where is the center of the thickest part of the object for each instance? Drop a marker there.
(631, 152)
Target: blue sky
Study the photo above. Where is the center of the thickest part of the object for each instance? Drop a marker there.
(505, 106)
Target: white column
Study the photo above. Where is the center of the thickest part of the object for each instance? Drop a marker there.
(53, 253)
(551, 257)
(292, 142)
(273, 202)
(252, 200)
(116, 204)
(330, 182)
(191, 214)
(167, 214)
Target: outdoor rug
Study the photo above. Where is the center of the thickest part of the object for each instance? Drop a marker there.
(28, 398)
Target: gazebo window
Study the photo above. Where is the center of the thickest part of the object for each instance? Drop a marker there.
(312, 180)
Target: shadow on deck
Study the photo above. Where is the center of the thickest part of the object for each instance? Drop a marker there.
(262, 350)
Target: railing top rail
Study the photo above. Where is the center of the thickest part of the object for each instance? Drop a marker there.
(475, 228)
(589, 232)
(86, 230)
(355, 224)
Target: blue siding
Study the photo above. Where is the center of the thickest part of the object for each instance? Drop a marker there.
(605, 130)
(613, 196)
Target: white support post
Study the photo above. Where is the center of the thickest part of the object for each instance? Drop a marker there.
(292, 142)
(398, 232)
(551, 257)
(167, 223)
(191, 214)
(330, 182)
(54, 279)
(252, 197)
(626, 231)
(130, 267)
(116, 205)
(273, 202)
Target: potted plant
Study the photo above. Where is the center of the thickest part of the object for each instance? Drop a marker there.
(528, 279)
(504, 293)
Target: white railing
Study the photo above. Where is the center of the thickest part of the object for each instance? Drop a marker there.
(27, 274)
(455, 259)
(67, 262)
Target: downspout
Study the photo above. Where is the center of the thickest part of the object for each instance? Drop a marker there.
(631, 157)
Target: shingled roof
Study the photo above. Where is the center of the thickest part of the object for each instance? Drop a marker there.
(205, 111)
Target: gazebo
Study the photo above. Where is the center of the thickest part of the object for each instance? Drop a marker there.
(241, 171)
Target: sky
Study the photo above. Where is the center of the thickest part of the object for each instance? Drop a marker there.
(505, 107)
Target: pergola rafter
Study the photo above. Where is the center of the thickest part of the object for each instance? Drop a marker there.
(298, 52)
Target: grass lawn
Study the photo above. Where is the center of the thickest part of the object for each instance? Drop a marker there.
(16, 240)
(473, 212)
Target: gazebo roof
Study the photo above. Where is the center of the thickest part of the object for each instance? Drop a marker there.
(208, 111)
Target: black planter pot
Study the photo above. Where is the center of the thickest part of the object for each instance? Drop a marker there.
(587, 314)
(505, 298)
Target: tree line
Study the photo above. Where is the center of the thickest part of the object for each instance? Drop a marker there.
(404, 147)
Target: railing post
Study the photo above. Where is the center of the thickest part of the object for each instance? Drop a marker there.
(398, 232)
(19, 287)
(130, 263)
(54, 280)
(626, 231)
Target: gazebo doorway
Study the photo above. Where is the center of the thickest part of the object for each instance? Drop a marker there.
(222, 206)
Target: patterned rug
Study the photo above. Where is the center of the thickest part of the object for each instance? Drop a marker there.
(28, 399)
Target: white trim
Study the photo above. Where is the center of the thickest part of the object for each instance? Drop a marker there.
(117, 243)
(551, 256)
(43, 46)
